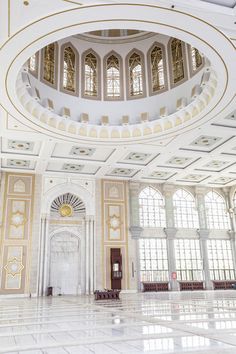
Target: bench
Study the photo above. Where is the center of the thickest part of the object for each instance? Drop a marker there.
(155, 286)
(191, 285)
(107, 294)
(223, 284)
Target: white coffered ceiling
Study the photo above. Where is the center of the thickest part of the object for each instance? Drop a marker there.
(203, 154)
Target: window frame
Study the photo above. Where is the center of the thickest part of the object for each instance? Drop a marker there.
(37, 60)
(149, 71)
(185, 66)
(106, 97)
(193, 72)
(183, 269)
(162, 221)
(99, 94)
(188, 215)
(55, 85)
(161, 252)
(219, 217)
(128, 94)
(77, 67)
(217, 259)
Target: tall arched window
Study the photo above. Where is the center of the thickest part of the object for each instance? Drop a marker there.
(177, 60)
(196, 59)
(151, 208)
(216, 213)
(185, 212)
(136, 83)
(49, 60)
(113, 77)
(33, 64)
(91, 75)
(69, 69)
(157, 69)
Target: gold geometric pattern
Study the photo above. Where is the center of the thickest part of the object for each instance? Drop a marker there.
(114, 222)
(14, 266)
(18, 219)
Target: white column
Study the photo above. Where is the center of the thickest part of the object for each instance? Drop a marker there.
(87, 255)
(135, 229)
(41, 255)
(91, 237)
(45, 256)
(170, 232)
(203, 234)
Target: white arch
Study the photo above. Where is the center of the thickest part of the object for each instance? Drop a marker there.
(86, 196)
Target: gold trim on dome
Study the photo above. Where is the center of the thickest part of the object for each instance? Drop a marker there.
(66, 210)
(104, 5)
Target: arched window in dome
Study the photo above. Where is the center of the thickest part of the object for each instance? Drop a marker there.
(185, 212)
(113, 77)
(136, 78)
(151, 208)
(196, 59)
(177, 60)
(216, 211)
(69, 69)
(49, 63)
(91, 75)
(33, 64)
(157, 69)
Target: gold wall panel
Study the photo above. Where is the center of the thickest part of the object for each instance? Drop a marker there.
(114, 227)
(16, 233)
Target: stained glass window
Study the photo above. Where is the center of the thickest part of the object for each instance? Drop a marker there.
(49, 63)
(177, 60)
(135, 75)
(69, 69)
(113, 77)
(196, 58)
(91, 75)
(157, 69)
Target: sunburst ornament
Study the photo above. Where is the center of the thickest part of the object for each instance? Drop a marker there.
(66, 210)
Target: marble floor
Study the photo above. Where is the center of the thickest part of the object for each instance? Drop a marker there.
(186, 322)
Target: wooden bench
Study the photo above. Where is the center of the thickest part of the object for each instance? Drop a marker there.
(155, 286)
(191, 285)
(107, 294)
(223, 284)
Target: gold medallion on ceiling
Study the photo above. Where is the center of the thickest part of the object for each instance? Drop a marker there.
(66, 210)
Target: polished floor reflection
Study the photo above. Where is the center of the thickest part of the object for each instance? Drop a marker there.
(187, 322)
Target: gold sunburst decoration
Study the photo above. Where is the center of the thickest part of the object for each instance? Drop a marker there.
(66, 210)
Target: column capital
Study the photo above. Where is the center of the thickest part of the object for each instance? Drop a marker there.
(232, 234)
(89, 218)
(136, 231)
(200, 190)
(45, 216)
(203, 233)
(168, 189)
(134, 186)
(170, 232)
